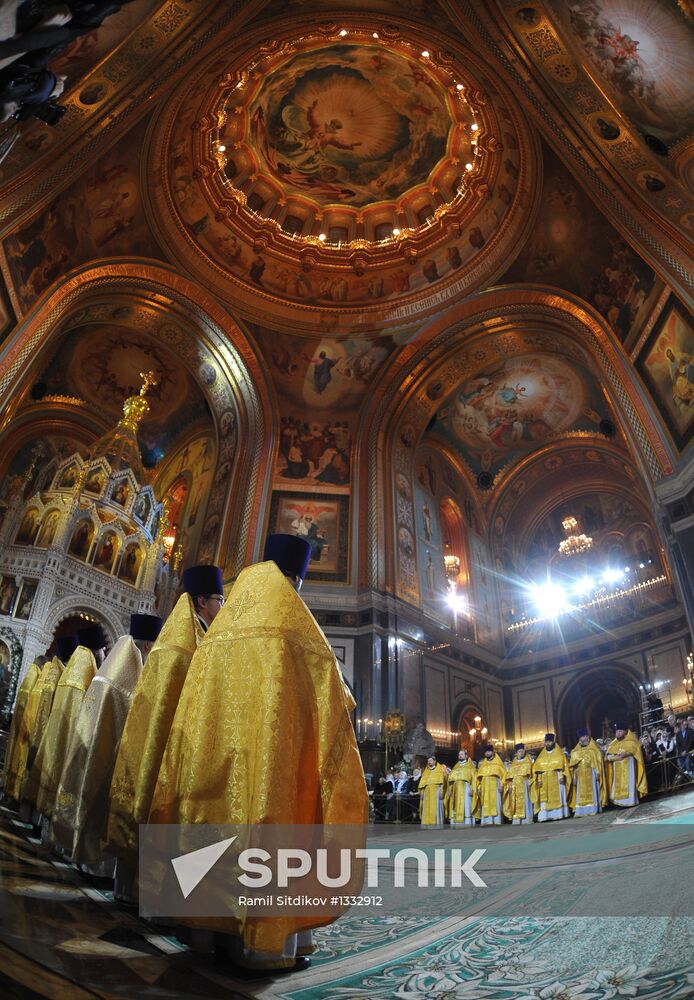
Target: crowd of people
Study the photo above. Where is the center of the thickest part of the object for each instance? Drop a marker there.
(35, 33)
(551, 784)
(180, 724)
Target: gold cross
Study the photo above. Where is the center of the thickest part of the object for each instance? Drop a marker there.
(149, 379)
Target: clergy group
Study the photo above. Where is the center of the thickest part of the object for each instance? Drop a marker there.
(181, 723)
(550, 787)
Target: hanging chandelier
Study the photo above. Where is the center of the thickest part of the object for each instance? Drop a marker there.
(452, 564)
(575, 542)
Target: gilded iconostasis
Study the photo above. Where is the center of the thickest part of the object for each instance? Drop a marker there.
(393, 288)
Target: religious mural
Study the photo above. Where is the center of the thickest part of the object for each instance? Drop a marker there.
(329, 380)
(432, 574)
(641, 50)
(187, 480)
(350, 123)
(322, 521)
(8, 595)
(518, 405)
(485, 599)
(611, 277)
(667, 365)
(100, 215)
(25, 601)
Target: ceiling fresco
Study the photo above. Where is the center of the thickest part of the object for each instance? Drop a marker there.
(348, 123)
(332, 174)
(512, 408)
(573, 246)
(100, 215)
(641, 51)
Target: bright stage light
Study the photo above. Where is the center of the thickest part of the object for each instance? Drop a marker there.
(612, 576)
(550, 599)
(457, 602)
(583, 586)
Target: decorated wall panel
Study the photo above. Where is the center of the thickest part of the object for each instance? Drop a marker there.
(666, 363)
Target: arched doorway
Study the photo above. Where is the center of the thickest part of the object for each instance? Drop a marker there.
(596, 698)
(468, 719)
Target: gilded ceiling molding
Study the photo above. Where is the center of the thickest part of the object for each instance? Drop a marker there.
(664, 245)
(495, 324)
(304, 246)
(229, 376)
(132, 76)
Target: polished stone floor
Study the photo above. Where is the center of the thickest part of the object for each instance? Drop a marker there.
(63, 936)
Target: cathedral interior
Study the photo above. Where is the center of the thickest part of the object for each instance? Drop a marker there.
(410, 281)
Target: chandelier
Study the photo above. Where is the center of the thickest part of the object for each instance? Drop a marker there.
(575, 542)
(452, 564)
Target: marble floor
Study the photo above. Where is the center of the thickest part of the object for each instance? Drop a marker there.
(63, 936)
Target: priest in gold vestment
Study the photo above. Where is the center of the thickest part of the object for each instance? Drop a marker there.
(263, 734)
(38, 713)
(151, 714)
(626, 775)
(11, 779)
(461, 797)
(588, 793)
(69, 695)
(432, 792)
(552, 781)
(520, 791)
(491, 779)
(81, 808)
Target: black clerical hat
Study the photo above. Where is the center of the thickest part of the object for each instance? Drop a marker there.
(199, 581)
(488, 747)
(621, 724)
(581, 732)
(146, 627)
(520, 746)
(291, 553)
(65, 646)
(92, 636)
(550, 736)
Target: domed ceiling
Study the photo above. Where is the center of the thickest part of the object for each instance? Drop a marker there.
(350, 168)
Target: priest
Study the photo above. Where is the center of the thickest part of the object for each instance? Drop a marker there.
(491, 778)
(432, 792)
(11, 779)
(588, 792)
(521, 795)
(263, 735)
(38, 712)
(81, 809)
(626, 775)
(552, 781)
(69, 694)
(151, 713)
(461, 797)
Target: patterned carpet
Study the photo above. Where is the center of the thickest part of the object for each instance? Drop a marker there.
(61, 936)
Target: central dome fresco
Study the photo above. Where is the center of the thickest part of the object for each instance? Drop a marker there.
(348, 123)
(348, 169)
